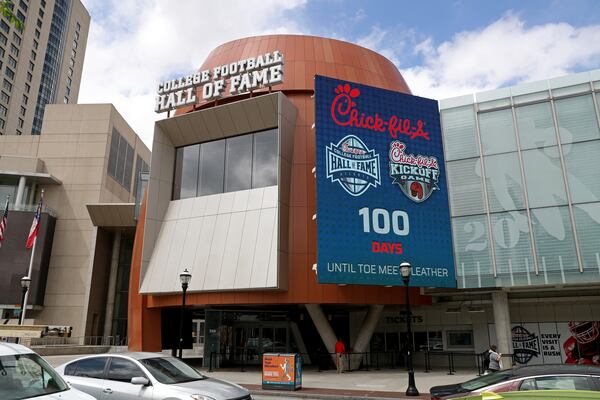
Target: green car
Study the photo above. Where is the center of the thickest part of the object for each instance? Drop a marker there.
(537, 394)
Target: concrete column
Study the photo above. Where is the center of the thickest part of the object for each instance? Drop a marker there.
(502, 325)
(20, 192)
(366, 331)
(299, 341)
(323, 326)
(31, 198)
(112, 284)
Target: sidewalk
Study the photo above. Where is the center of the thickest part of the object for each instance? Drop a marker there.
(383, 384)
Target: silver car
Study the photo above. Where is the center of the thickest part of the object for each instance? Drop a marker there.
(128, 376)
(25, 375)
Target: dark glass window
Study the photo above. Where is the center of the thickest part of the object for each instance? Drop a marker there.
(4, 26)
(90, 367)
(264, 160)
(189, 171)
(120, 159)
(238, 163)
(3, 38)
(123, 370)
(212, 167)
(10, 73)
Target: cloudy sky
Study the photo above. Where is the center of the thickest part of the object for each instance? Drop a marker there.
(443, 48)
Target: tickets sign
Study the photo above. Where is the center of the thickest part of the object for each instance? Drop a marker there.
(381, 187)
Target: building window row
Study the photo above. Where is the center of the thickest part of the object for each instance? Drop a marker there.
(120, 160)
(227, 165)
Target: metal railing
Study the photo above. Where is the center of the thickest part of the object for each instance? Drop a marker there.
(375, 360)
(49, 341)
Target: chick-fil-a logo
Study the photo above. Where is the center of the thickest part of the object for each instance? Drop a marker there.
(344, 112)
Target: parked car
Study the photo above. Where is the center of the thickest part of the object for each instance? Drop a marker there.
(26, 375)
(537, 394)
(538, 377)
(128, 376)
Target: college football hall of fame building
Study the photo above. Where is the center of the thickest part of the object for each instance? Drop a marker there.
(381, 188)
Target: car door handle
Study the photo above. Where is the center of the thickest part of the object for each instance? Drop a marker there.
(107, 390)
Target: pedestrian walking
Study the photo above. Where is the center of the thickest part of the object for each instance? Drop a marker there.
(340, 349)
(495, 359)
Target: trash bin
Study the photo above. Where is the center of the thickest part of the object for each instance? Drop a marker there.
(282, 371)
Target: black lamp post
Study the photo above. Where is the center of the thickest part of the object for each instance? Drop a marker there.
(25, 282)
(185, 277)
(405, 270)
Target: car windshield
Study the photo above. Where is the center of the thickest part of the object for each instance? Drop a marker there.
(23, 376)
(169, 370)
(486, 380)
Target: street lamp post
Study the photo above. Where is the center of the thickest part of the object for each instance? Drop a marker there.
(185, 277)
(405, 270)
(25, 282)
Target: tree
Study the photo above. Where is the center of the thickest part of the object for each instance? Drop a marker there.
(6, 9)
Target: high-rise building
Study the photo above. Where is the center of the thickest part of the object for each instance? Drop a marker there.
(41, 63)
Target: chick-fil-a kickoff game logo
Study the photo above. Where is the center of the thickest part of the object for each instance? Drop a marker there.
(416, 175)
(345, 112)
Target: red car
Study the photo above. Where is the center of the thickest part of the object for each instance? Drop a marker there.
(537, 377)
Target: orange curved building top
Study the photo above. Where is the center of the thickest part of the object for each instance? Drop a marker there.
(305, 57)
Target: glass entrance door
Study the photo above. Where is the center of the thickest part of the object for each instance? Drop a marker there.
(252, 341)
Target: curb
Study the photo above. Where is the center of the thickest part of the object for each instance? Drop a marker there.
(300, 395)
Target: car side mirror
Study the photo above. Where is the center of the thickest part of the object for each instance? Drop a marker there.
(140, 380)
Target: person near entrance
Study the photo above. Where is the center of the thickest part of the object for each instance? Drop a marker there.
(494, 359)
(340, 349)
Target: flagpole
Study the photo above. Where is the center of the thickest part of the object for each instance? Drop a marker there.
(24, 306)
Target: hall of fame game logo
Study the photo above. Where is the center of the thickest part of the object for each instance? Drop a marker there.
(353, 165)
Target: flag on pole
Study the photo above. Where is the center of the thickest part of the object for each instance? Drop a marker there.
(35, 226)
(4, 222)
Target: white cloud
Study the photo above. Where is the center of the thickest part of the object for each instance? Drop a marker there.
(501, 54)
(133, 45)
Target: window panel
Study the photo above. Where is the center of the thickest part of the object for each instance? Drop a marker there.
(543, 176)
(91, 367)
(123, 370)
(536, 127)
(582, 165)
(264, 160)
(189, 172)
(554, 243)
(460, 133)
(128, 168)
(238, 163)
(121, 159)
(503, 182)
(587, 220)
(212, 162)
(512, 248)
(472, 251)
(112, 157)
(576, 119)
(497, 132)
(465, 187)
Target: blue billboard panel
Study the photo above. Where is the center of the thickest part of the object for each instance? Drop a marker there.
(381, 187)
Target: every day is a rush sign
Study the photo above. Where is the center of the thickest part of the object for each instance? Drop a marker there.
(381, 187)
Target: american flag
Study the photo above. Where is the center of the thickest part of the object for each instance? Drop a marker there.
(35, 226)
(4, 222)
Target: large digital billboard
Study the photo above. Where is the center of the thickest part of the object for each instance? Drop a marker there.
(381, 187)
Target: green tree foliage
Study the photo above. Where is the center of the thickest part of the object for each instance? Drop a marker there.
(6, 9)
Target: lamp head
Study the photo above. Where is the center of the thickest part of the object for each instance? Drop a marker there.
(405, 271)
(185, 277)
(25, 282)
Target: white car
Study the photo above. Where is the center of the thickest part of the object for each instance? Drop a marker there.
(26, 375)
(151, 376)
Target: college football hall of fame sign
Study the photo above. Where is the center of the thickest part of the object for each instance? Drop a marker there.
(381, 187)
